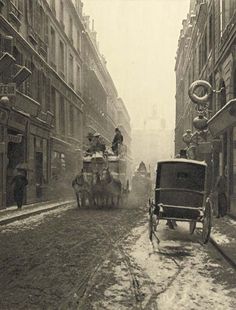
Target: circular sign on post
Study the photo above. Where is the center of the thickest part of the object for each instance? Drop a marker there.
(200, 99)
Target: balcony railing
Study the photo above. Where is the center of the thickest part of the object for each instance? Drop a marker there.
(32, 35)
(27, 104)
(2, 3)
(42, 48)
(15, 13)
(228, 30)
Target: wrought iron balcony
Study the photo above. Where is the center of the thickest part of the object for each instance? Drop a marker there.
(2, 3)
(228, 30)
(26, 104)
(15, 13)
(42, 48)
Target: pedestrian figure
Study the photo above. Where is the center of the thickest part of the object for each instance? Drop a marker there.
(220, 187)
(117, 141)
(20, 181)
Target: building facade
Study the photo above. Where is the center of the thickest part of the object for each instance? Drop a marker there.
(206, 50)
(147, 142)
(58, 89)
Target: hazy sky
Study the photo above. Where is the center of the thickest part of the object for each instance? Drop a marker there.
(139, 41)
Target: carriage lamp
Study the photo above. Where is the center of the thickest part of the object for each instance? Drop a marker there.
(200, 122)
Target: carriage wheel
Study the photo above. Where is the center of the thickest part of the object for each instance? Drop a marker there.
(150, 225)
(207, 222)
(153, 222)
(192, 226)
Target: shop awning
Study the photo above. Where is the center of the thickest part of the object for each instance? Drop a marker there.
(223, 119)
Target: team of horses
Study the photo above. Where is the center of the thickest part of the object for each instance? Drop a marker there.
(101, 190)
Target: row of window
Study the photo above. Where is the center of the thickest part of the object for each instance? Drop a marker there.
(74, 78)
(67, 118)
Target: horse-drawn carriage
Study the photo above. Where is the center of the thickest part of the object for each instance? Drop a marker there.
(102, 181)
(141, 182)
(181, 195)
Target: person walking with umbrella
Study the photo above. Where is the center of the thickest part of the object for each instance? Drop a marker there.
(19, 181)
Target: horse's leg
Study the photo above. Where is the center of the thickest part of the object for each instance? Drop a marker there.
(90, 199)
(118, 200)
(112, 201)
(83, 199)
(78, 201)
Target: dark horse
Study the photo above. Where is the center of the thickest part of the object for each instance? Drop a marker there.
(82, 189)
(112, 188)
(96, 189)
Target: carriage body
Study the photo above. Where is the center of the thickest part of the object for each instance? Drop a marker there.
(180, 194)
(92, 164)
(118, 169)
(141, 184)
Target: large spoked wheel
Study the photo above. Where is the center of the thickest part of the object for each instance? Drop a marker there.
(192, 226)
(153, 222)
(150, 228)
(207, 222)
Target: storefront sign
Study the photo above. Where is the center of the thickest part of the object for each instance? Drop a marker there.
(18, 121)
(7, 89)
(15, 138)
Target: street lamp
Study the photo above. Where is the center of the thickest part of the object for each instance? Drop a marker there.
(4, 101)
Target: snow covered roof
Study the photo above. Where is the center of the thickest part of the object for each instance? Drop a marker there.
(183, 160)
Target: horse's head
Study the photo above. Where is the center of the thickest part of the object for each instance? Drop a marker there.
(96, 178)
(106, 175)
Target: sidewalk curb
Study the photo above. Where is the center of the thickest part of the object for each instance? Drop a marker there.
(34, 212)
(223, 253)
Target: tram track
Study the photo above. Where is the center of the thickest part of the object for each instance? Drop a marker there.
(85, 286)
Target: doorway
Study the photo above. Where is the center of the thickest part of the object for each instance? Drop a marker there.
(39, 174)
(15, 155)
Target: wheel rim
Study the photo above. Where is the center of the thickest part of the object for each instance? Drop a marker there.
(206, 229)
(150, 227)
(192, 226)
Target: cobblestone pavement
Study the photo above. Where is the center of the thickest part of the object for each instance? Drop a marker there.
(74, 258)
(47, 260)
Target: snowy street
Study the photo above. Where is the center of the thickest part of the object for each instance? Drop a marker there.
(102, 259)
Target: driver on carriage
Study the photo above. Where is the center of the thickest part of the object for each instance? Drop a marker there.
(96, 144)
(117, 140)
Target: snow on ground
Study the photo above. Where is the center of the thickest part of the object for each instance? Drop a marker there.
(183, 283)
(11, 212)
(179, 271)
(232, 222)
(33, 221)
(219, 237)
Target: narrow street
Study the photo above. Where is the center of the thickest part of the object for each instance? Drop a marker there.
(73, 258)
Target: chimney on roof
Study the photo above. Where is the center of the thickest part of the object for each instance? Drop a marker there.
(87, 21)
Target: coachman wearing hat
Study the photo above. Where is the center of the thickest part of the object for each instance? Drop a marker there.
(118, 140)
(97, 144)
